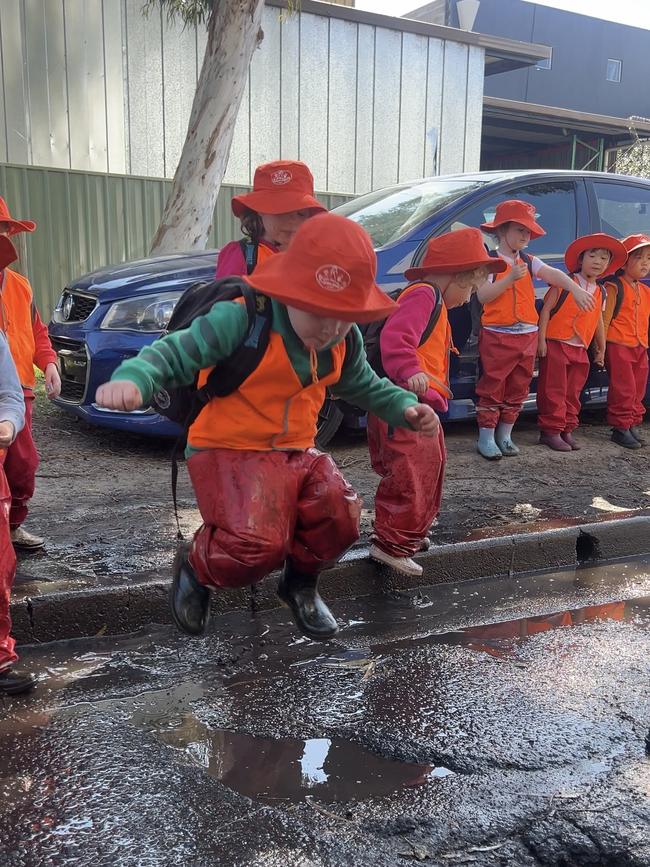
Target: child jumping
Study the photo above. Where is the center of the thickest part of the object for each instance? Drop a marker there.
(508, 336)
(627, 316)
(12, 418)
(30, 345)
(414, 344)
(266, 495)
(565, 334)
(281, 200)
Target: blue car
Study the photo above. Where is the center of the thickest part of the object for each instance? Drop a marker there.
(107, 316)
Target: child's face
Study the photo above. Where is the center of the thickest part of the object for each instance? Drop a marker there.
(638, 265)
(595, 263)
(279, 229)
(515, 236)
(317, 332)
(462, 285)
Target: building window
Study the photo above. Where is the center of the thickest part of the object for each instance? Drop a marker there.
(614, 70)
(545, 64)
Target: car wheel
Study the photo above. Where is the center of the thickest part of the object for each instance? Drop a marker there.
(329, 421)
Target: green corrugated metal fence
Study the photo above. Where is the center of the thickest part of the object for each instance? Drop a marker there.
(86, 221)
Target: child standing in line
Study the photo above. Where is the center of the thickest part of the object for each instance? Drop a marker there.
(415, 344)
(266, 495)
(12, 418)
(627, 317)
(565, 334)
(281, 200)
(508, 337)
(30, 345)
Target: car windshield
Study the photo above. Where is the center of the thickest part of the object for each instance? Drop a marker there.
(387, 215)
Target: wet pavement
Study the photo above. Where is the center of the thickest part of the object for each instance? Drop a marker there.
(497, 722)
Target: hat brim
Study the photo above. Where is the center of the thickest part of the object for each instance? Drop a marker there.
(593, 242)
(494, 266)
(271, 278)
(639, 247)
(17, 226)
(534, 228)
(274, 202)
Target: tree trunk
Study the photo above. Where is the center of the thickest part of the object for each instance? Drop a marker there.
(233, 34)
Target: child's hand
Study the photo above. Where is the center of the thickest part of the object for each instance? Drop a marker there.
(121, 395)
(7, 433)
(599, 358)
(541, 348)
(419, 383)
(518, 271)
(583, 299)
(52, 381)
(422, 419)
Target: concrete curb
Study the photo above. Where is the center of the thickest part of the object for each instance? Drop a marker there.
(115, 610)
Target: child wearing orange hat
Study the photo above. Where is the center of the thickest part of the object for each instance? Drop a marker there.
(414, 344)
(30, 345)
(281, 200)
(627, 318)
(565, 334)
(267, 496)
(508, 335)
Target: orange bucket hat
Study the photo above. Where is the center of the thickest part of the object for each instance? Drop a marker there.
(515, 211)
(278, 188)
(329, 269)
(462, 250)
(635, 242)
(15, 225)
(593, 242)
(8, 252)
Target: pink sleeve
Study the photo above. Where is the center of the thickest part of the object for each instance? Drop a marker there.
(400, 338)
(231, 261)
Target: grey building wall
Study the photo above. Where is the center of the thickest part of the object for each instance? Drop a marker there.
(581, 47)
(92, 85)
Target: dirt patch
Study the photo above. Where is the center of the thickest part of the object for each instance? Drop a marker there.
(103, 498)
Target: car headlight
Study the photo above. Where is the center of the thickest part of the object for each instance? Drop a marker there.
(143, 313)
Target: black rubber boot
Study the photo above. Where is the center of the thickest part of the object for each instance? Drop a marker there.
(189, 600)
(14, 682)
(300, 593)
(625, 438)
(636, 432)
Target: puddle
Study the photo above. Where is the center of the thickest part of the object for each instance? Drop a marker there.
(287, 769)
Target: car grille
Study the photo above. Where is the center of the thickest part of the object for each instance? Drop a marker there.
(73, 361)
(73, 307)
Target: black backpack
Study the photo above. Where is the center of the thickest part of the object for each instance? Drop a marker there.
(183, 404)
(372, 334)
(620, 292)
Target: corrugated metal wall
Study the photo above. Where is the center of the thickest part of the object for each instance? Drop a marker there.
(87, 220)
(93, 85)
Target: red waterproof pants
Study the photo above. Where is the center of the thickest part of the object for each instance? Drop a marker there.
(562, 375)
(627, 367)
(259, 508)
(21, 464)
(7, 573)
(507, 362)
(412, 470)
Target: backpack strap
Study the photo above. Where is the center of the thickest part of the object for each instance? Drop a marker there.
(435, 316)
(249, 249)
(620, 293)
(564, 294)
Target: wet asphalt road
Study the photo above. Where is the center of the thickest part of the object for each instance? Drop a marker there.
(488, 723)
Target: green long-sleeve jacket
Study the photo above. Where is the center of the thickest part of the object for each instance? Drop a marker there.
(175, 359)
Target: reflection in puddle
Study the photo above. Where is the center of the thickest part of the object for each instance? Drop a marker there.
(288, 769)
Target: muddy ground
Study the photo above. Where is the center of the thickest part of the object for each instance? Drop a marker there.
(103, 498)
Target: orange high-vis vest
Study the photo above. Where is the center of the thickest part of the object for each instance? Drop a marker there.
(258, 417)
(516, 304)
(433, 354)
(16, 320)
(630, 325)
(568, 320)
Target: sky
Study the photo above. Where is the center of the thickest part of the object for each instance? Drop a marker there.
(635, 12)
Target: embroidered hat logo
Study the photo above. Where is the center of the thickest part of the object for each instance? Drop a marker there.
(281, 177)
(333, 278)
